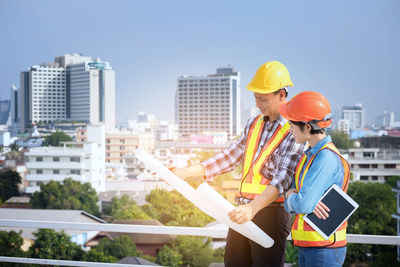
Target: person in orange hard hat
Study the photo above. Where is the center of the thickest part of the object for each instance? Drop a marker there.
(268, 154)
(321, 166)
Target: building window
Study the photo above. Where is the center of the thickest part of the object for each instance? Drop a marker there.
(364, 166)
(76, 172)
(56, 159)
(39, 159)
(39, 171)
(56, 171)
(75, 159)
(374, 178)
(390, 166)
(363, 178)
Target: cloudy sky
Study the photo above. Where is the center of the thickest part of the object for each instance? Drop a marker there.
(347, 50)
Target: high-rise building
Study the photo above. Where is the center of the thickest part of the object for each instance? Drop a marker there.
(355, 115)
(75, 87)
(43, 95)
(209, 103)
(91, 91)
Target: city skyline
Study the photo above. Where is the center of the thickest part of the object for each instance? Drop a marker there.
(344, 50)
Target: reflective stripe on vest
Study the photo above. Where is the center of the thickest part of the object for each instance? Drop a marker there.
(303, 234)
(253, 182)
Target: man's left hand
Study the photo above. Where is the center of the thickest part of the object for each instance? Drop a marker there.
(242, 214)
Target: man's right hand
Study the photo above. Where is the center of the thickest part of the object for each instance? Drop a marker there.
(191, 171)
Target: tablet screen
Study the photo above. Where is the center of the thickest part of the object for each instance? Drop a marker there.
(341, 207)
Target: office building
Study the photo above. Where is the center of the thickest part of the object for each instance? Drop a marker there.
(42, 95)
(91, 93)
(355, 115)
(75, 88)
(83, 162)
(374, 164)
(209, 103)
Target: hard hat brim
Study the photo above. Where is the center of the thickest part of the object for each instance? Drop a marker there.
(285, 113)
(250, 87)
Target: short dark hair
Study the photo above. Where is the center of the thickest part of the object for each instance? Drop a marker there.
(284, 89)
(302, 125)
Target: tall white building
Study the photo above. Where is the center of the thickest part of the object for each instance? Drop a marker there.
(209, 103)
(84, 162)
(75, 87)
(42, 95)
(356, 115)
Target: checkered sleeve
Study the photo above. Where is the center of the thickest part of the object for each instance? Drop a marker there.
(228, 159)
(285, 165)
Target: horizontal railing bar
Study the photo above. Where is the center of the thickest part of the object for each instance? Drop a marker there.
(120, 228)
(171, 230)
(64, 262)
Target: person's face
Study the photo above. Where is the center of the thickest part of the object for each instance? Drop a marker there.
(268, 103)
(299, 135)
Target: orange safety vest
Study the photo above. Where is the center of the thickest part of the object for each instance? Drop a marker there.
(303, 234)
(253, 182)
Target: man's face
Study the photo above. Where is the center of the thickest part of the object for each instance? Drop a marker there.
(268, 103)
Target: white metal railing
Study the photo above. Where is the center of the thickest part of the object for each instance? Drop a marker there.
(149, 229)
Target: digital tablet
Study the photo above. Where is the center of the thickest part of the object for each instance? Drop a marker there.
(341, 207)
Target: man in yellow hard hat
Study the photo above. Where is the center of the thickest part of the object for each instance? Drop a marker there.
(268, 154)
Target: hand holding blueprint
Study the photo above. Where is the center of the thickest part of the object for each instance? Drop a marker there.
(206, 199)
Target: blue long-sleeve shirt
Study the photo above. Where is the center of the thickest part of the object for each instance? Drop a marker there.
(326, 170)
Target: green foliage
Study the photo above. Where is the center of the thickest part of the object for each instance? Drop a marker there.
(170, 208)
(56, 138)
(124, 208)
(119, 248)
(392, 181)
(9, 182)
(291, 253)
(50, 244)
(97, 256)
(169, 257)
(341, 140)
(195, 252)
(374, 216)
(69, 195)
(14, 147)
(10, 244)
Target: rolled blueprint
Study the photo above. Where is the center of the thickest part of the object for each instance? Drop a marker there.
(206, 199)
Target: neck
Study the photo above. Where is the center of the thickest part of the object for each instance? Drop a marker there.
(273, 117)
(315, 138)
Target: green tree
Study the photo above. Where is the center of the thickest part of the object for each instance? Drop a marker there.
(56, 138)
(392, 181)
(97, 256)
(170, 208)
(341, 140)
(50, 244)
(374, 217)
(10, 246)
(169, 257)
(9, 181)
(14, 147)
(68, 195)
(195, 252)
(125, 208)
(119, 248)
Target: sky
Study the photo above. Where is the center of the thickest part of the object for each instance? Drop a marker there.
(346, 50)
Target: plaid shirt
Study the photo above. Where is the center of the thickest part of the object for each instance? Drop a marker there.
(280, 166)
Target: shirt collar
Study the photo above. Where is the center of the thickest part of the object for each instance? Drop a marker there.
(279, 120)
(314, 150)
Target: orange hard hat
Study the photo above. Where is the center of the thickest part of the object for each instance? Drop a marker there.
(309, 107)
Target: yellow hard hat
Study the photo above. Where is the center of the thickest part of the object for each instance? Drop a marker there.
(269, 78)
